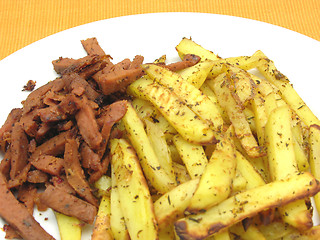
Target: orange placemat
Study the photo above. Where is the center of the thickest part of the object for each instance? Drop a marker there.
(25, 21)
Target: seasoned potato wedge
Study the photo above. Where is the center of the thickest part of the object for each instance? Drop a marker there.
(188, 93)
(216, 181)
(212, 96)
(264, 87)
(246, 204)
(241, 85)
(161, 59)
(159, 179)
(187, 46)
(160, 146)
(171, 206)
(182, 118)
(301, 156)
(147, 111)
(281, 155)
(282, 164)
(236, 115)
(314, 142)
(117, 222)
(192, 155)
(69, 227)
(254, 179)
(181, 173)
(102, 229)
(239, 182)
(243, 62)
(197, 74)
(135, 199)
(260, 117)
(102, 225)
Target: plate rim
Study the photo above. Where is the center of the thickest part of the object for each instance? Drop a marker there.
(13, 55)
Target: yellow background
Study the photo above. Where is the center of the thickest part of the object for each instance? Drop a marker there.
(25, 21)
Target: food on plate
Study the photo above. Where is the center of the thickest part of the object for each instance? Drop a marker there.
(29, 86)
(242, 205)
(201, 148)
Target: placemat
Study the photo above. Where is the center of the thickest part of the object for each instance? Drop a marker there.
(25, 21)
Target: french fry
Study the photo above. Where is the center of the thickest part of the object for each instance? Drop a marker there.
(192, 155)
(161, 59)
(146, 110)
(254, 179)
(239, 182)
(288, 93)
(272, 101)
(280, 144)
(297, 131)
(246, 204)
(256, 162)
(69, 227)
(241, 85)
(161, 149)
(236, 115)
(171, 205)
(181, 173)
(197, 74)
(135, 199)
(263, 86)
(301, 156)
(249, 115)
(216, 181)
(260, 117)
(102, 228)
(117, 222)
(314, 158)
(282, 163)
(187, 46)
(301, 143)
(159, 179)
(189, 94)
(243, 62)
(184, 120)
(211, 95)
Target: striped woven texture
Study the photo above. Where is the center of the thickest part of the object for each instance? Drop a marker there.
(25, 21)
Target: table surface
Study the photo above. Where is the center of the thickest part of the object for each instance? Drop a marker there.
(25, 21)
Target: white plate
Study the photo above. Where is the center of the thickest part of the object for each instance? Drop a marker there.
(153, 35)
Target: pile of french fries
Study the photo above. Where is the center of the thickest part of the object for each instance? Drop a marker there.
(225, 149)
